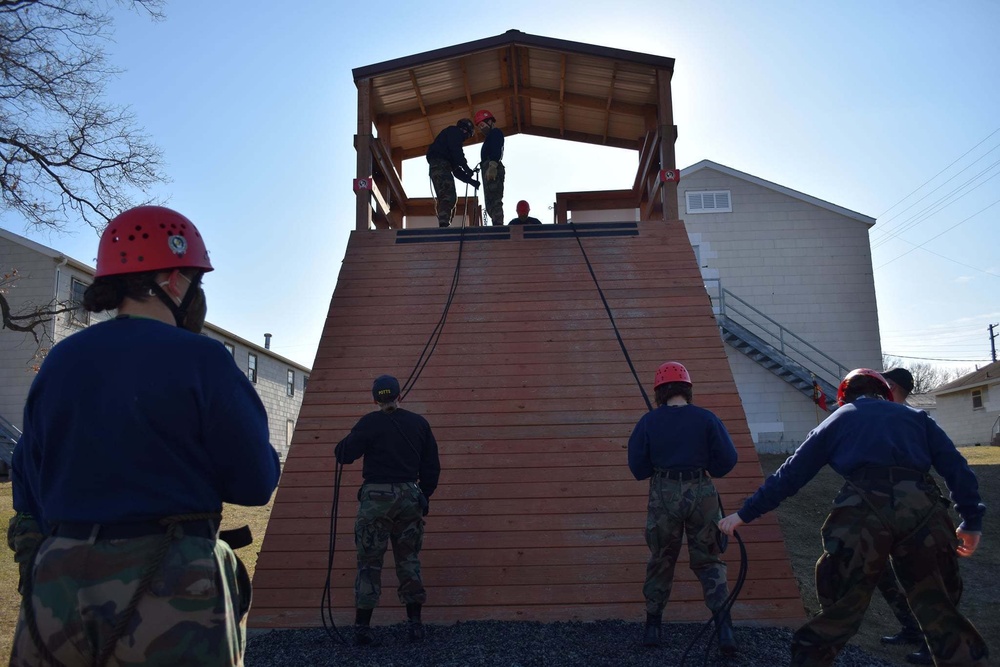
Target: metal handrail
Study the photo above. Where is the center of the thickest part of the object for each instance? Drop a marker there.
(785, 340)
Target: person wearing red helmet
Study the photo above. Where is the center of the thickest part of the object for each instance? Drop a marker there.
(889, 507)
(136, 431)
(492, 168)
(446, 161)
(522, 215)
(680, 448)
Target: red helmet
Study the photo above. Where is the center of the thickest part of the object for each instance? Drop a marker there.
(883, 386)
(150, 238)
(671, 372)
(523, 208)
(483, 115)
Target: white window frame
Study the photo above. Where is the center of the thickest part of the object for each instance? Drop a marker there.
(695, 201)
(78, 315)
(290, 383)
(977, 396)
(252, 367)
(231, 349)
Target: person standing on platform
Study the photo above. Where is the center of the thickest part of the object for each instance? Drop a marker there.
(491, 167)
(446, 161)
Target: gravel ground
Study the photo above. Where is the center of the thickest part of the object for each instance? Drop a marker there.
(522, 644)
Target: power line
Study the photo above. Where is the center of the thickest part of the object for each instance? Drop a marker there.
(902, 356)
(938, 174)
(942, 233)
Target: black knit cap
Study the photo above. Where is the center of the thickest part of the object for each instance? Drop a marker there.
(901, 377)
(385, 389)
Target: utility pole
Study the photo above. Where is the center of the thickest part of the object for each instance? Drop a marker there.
(993, 341)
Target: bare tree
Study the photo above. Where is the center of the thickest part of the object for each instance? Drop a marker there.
(66, 154)
(926, 376)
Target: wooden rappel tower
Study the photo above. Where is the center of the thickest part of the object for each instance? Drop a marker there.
(528, 390)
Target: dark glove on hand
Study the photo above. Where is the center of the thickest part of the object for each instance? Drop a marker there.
(474, 183)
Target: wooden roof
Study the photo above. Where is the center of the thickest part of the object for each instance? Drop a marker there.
(532, 402)
(533, 85)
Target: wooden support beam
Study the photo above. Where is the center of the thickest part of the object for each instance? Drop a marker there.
(524, 67)
(468, 89)
(362, 142)
(611, 97)
(420, 103)
(668, 137)
(507, 90)
(562, 94)
(548, 132)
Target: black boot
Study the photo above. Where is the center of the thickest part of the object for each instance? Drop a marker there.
(415, 627)
(727, 641)
(904, 636)
(363, 635)
(921, 657)
(652, 635)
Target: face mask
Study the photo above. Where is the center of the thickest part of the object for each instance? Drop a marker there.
(194, 321)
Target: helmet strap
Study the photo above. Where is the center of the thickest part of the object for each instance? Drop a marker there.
(180, 310)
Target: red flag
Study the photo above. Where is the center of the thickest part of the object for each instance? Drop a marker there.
(818, 396)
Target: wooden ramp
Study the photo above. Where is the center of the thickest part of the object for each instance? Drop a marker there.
(532, 401)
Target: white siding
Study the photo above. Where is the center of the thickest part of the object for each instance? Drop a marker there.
(805, 266)
(964, 425)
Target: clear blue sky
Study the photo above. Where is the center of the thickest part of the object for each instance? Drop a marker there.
(856, 103)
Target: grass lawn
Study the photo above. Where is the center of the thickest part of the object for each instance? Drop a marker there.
(801, 518)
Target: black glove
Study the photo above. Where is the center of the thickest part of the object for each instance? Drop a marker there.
(474, 183)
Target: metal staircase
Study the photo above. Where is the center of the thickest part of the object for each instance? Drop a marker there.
(779, 350)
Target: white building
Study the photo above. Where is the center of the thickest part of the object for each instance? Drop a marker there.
(792, 284)
(968, 409)
(45, 277)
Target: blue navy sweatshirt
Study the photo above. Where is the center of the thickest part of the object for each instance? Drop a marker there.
(684, 437)
(492, 146)
(398, 447)
(133, 419)
(874, 433)
(448, 146)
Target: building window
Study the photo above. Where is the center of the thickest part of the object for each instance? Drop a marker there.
(290, 386)
(78, 315)
(252, 367)
(717, 201)
(231, 349)
(977, 399)
(289, 432)
(305, 381)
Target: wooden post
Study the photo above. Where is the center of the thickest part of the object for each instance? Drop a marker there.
(668, 137)
(362, 144)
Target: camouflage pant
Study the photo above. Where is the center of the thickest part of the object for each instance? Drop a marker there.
(908, 521)
(444, 190)
(190, 616)
(678, 507)
(895, 597)
(388, 512)
(493, 193)
(23, 538)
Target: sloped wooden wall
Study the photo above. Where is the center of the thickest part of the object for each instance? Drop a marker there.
(531, 400)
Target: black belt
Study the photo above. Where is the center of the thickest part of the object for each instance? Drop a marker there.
(890, 474)
(126, 531)
(681, 475)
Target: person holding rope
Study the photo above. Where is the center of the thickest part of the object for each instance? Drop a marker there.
(889, 507)
(400, 471)
(680, 448)
(136, 431)
(446, 160)
(490, 164)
